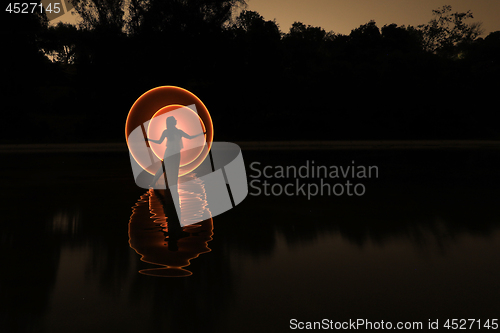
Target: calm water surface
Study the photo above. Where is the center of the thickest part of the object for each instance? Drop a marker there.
(422, 243)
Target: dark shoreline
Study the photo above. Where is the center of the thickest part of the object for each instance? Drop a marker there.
(268, 145)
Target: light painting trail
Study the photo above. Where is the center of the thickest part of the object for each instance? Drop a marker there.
(146, 115)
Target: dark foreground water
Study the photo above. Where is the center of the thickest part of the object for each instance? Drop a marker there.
(423, 243)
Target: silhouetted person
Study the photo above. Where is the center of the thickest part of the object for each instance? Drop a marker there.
(172, 157)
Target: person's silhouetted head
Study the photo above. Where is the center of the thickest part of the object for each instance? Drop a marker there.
(171, 121)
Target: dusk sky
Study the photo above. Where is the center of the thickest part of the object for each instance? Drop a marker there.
(341, 16)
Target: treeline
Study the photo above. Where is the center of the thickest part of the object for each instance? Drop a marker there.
(66, 83)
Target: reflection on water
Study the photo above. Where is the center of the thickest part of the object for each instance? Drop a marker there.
(66, 223)
(156, 233)
(423, 243)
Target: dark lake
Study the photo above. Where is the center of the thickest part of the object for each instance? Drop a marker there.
(422, 243)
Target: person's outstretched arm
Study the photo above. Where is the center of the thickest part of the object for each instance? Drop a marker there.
(160, 140)
(184, 134)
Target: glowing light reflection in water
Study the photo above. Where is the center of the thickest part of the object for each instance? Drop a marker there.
(160, 238)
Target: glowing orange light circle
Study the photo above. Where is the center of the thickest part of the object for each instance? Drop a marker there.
(149, 103)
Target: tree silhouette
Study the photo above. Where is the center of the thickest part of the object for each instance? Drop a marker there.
(305, 47)
(400, 39)
(258, 40)
(446, 30)
(59, 43)
(365, 42)
(103, 15)
(194, 17)
(24, 68)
